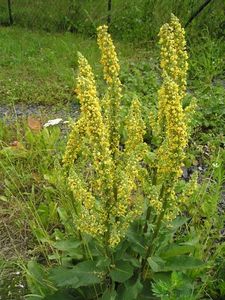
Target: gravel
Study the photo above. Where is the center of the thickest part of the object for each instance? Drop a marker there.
(11, 113)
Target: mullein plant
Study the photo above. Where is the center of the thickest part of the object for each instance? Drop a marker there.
(126, 193)
(109, 180)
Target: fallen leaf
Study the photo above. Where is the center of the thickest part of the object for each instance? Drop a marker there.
(16, 144)
(34, 124)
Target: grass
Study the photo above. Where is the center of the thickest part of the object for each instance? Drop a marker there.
(25, 219)
(39, 67)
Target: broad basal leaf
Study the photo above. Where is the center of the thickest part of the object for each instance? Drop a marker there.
(132, 289)
(122, 271)
(181, 263)
(109, 295)
(83, 274)
(174, 250)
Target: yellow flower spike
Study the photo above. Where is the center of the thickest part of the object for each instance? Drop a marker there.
(173, 53)
(173, 61)
(87, 95)
(171, 152)
(73, 146)
(154, 126)
(109, 58)
(111, 69)
(135, 127)
(88, 148)
(172, 119)
(171, 116)
(154, 200)
(129, 204)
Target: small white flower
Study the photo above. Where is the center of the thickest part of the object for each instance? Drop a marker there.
(53, 122)
(20, 285)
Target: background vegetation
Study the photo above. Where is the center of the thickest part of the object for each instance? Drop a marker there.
(130, 19)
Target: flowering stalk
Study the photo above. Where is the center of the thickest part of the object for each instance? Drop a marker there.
(171, 119)
(172, 126)
(105, 180)
(112, 99)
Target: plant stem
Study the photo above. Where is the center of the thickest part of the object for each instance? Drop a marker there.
(156, 232)
(109, 12)
(148, 215)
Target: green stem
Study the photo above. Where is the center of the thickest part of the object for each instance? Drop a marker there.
(148, 215)
(156, 232)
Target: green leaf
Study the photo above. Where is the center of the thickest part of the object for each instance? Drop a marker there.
(178, 222)
(174, 250)
(122, 271)
(162, 276)
(132, 289)
(136, 240)
(60, 295)
(71, 247)
(63, 277)
(156, 263)
(134, 261)
(121, 250)
(37, 279)
(109, 295)
(193, 242)
(103, 262)
(34, 297)
(66, 245)
(181, 263)
(174, 263)
(83, 274)
(65, 218)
